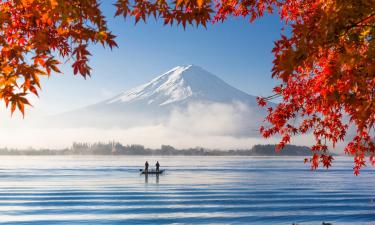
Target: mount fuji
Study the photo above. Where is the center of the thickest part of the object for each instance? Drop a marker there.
(184, 94)
(181, 85)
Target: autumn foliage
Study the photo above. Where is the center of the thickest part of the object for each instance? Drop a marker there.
(36, 34)
(327, 70)
(325, 63)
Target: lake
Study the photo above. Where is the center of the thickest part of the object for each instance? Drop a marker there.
(193, 190)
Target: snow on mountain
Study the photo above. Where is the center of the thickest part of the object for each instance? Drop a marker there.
(180, 84)
(167, 88)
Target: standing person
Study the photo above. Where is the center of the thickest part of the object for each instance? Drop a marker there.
(146, 167)
(157, 166)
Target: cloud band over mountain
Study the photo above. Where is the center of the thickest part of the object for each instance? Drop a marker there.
(185, 107)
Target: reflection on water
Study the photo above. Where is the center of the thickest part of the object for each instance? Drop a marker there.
(156, 176)
(209, 190)
(146, 178)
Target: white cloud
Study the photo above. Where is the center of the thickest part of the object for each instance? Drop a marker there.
(215, 119)
(106, 93)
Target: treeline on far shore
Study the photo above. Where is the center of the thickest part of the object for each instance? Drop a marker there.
(116, 148)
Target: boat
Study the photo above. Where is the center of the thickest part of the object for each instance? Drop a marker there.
(151, 172)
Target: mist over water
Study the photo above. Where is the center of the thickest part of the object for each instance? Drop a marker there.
(198, 190)
(216, 126)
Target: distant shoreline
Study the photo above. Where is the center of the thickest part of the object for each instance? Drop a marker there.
(115, 148)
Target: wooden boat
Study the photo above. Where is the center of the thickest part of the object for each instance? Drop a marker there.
(151, 172)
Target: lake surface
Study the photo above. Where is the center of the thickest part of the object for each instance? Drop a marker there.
(194, 190)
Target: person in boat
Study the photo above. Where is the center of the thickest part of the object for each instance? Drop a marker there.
(146, 167)
(157, 166)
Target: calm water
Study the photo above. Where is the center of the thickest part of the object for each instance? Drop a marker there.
(207, 190)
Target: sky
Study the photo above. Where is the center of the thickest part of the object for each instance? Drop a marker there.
(236, 51)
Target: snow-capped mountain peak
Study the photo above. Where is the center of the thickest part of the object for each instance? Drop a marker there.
(167, 88)
(181, 84)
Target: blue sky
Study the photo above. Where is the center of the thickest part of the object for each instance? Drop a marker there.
(236, 51)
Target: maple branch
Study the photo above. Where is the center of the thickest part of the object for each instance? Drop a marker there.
(271, 97)
(357, 24)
